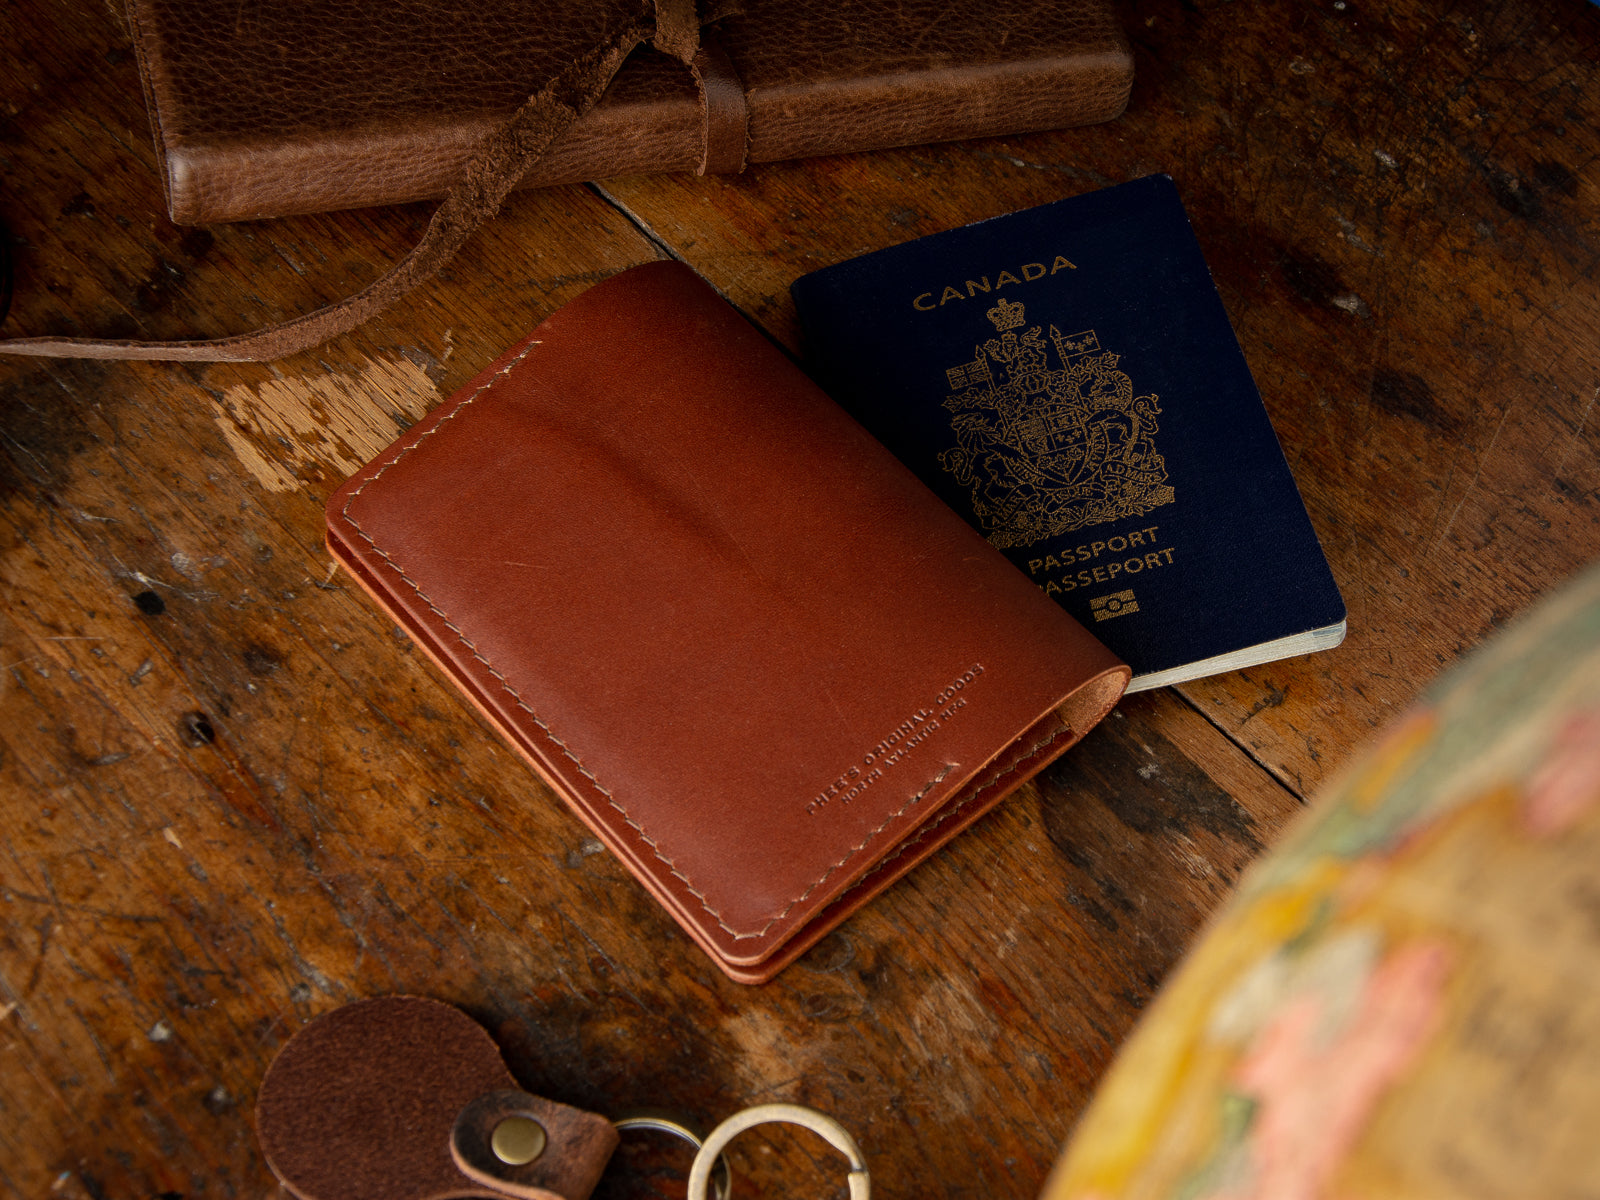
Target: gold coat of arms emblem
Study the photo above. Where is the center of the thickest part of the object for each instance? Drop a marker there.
(1046, 449)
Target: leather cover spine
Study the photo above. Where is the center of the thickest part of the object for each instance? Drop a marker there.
(752, 651)
(285, 106)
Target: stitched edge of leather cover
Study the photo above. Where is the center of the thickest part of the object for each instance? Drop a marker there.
(748, 675)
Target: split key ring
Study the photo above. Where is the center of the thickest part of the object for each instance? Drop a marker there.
(825, 1127)
(662, 1123)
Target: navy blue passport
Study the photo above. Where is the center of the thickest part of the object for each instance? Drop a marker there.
(1066, 378)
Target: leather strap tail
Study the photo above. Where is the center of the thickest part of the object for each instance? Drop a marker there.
(496, 166)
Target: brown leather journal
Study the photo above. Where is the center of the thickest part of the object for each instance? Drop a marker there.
(764, 664)
(287, 106)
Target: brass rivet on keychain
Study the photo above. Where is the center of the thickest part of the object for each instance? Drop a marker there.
(518, 1140)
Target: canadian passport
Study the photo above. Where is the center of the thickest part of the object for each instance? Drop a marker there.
(1066, 379)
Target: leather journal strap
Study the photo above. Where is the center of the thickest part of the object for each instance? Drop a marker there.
(496, 166)
(725, 117)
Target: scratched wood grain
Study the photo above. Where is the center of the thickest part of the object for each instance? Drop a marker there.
(232, 797)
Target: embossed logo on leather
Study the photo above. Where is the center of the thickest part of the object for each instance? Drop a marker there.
(1046, 448)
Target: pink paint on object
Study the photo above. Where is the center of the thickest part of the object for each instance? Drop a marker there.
(1316, 1091)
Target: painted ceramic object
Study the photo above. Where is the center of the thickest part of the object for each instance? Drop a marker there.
(1403, 999)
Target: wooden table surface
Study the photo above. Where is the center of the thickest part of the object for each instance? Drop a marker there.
(232, 797)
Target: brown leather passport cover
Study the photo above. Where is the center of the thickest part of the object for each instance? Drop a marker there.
(286, 106)
(766, 665)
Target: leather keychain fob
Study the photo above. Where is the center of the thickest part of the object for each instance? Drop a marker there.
(405, 1098)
